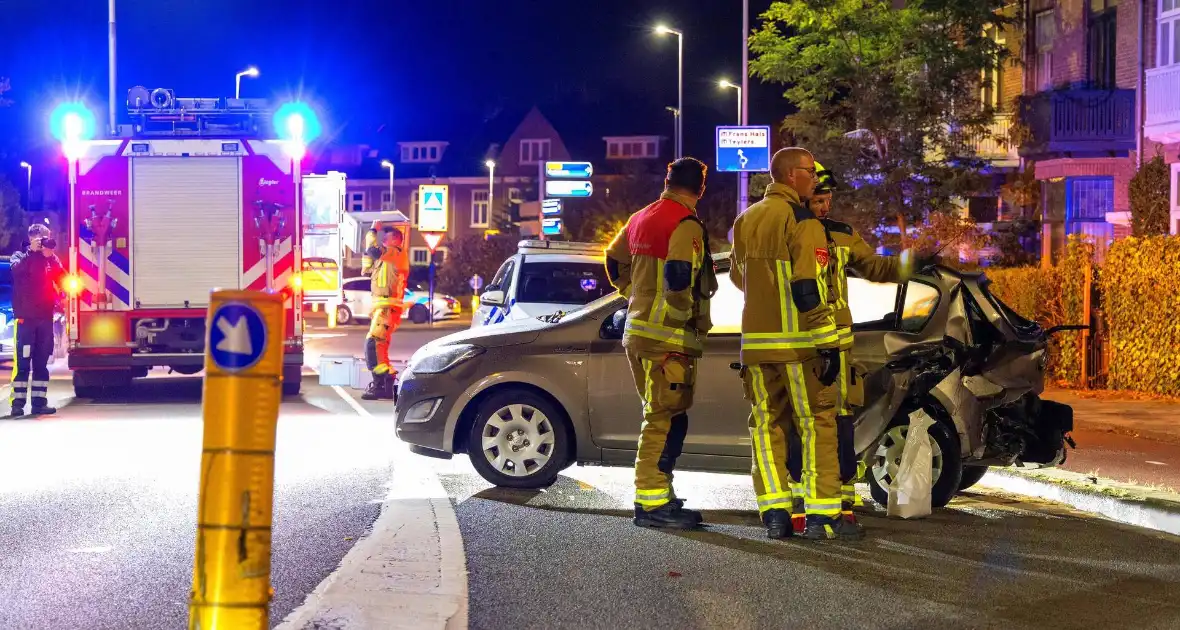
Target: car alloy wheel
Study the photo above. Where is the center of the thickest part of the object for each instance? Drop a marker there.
(946, 466)
(517, 440)
(887, 459)
(343, 315)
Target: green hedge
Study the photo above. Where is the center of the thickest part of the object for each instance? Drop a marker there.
(1140, 284)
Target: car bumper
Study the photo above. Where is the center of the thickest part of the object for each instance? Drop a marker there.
(422, 411)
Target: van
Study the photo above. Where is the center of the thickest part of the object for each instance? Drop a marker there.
(542, 278)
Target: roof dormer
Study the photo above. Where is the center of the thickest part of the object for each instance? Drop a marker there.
(632, 147)
(421, 152)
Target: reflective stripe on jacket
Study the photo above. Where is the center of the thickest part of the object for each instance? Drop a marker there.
(658, 318)
(388, 288)
(777, 242)
(849, 250)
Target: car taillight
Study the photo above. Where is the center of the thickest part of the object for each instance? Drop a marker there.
(72, 285)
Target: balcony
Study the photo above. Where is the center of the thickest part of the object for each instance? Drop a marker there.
(1079, 123)
(1163, 104)
(995, 146)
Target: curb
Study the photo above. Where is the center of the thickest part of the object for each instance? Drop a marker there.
(1117, 501)
(409, 571)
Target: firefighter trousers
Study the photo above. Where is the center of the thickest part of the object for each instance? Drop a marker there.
(665, 386)
(849, 394)
(383, 322)
(30, 366)
(793, 417)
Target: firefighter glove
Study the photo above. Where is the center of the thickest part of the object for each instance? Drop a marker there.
(830, 366)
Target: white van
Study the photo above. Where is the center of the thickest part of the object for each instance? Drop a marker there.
(543, 277)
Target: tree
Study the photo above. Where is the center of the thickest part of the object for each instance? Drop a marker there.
(12, 217)
(470, 255)
(1149, 198)
(888, 98)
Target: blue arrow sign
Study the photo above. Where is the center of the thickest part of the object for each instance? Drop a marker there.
(551, 207)
(568, 188)
(238, 337)
(551, 226)
(743, 149)
(572, 170)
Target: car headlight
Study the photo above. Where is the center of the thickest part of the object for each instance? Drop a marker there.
(442, 358)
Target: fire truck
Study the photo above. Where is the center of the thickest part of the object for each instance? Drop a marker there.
(197, 195)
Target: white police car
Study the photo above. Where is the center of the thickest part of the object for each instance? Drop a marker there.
(358, 302)
(543, 277)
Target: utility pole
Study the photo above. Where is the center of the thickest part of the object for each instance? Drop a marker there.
(744, 177)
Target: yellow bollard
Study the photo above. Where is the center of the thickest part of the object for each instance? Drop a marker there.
(240, 404)
(474, 303)
(330, 310)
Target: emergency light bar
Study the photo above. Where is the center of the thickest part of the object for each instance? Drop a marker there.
(562, 246)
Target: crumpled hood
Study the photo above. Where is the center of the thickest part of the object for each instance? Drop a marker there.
(507, 333)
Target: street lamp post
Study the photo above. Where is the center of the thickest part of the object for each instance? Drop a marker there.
(726, 85)
(491, 164)
(742, 177)
(675, 129)
(392, 195)
(251, 72)
(744, 99)
(664, 30)
(29, 185)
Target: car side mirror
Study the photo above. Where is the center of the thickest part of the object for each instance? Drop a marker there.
(613, 327)
(494, 297)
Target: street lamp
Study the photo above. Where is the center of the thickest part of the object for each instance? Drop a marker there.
(251, 72)
(28, 167)
(392, 198)
(665, 30)
(491, 164)
(726, 85)
(675, 127)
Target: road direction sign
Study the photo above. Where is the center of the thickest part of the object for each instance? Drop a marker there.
(569, 170)
(568, 188)
(551, 226)
(550, 207)
(432, 208)
(743, 149)
(238, 337)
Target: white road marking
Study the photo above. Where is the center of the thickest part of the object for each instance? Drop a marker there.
(91, 549)
(1156, 463)
(356, 406)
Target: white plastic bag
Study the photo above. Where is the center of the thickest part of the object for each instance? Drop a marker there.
(909, 491)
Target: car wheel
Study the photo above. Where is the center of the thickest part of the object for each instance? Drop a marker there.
(419, 314)
(971, 476)
(519, 440)
(343, 315)
(946, 463)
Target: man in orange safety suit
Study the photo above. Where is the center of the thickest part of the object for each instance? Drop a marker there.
(388, 288)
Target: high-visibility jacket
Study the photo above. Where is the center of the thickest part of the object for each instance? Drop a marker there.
(388, 287)
(660, 319)
(777, 242)
(850, 250)
(370, 253)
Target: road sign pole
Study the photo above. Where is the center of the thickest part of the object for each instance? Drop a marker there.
(431, 297)
(240, 406)
(541, 195)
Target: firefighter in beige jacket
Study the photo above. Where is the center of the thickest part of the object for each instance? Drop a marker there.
(660, 262)
(789, 352)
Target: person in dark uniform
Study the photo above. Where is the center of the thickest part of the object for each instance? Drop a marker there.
(36, 276)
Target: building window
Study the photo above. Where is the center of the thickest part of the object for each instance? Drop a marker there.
(514, 195)
(479, 208)
(419, 256)
(414, 209)
(1169, 38)
(356, 201)
(631, 148)
(1101, 42)
(1088, 199)
(993, 78)
(386, 200)
(441, 254)
(422, 152)
(1046, 33)
(534, 151)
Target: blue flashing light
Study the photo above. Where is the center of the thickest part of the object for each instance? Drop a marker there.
(72, 122)
(296, 122)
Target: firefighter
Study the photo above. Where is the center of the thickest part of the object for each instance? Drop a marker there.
(848, 249)
(388, 289)
(36, 276)
(790, 353)
(660, 262)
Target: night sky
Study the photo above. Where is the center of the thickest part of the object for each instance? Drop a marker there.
(410, 69)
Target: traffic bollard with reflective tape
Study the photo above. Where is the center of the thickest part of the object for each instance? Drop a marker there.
(240, 405)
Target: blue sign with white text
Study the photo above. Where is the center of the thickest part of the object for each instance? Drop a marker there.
(551, 226)
(573, 170)
(743, 149)
(238, 337)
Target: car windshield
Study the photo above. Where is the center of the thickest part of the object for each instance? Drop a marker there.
(574, 283)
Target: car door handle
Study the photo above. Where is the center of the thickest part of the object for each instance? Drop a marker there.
(735, 366)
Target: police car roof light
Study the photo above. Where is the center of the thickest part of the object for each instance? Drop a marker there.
(561, 247)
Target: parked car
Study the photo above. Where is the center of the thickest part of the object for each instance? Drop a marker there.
(358, 302)
(527, 398)
(542, 278)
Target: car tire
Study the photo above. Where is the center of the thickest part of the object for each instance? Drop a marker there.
(419, 314)
(513, 414)
(343, 315)
(971, 476)
(947, 456)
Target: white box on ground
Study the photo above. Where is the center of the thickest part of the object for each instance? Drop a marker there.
(338, 369)
(361, 376)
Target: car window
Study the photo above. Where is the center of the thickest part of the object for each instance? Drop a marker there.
(503, 278)
(562, 282)
(921, 301)
(871, 301)
(358, 284)
(725, 309)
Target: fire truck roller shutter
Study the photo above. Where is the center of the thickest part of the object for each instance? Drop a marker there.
(186, 232)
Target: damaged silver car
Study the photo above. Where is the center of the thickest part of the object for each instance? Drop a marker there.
(529, 398)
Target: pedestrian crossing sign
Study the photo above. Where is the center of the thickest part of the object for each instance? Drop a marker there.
(432, 208)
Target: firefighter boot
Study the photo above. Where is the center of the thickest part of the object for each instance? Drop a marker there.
(379, 389)
(43, 410)
(679, 503)
(798, 515)
(668, 515)
(778, 524)
(843, 527)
